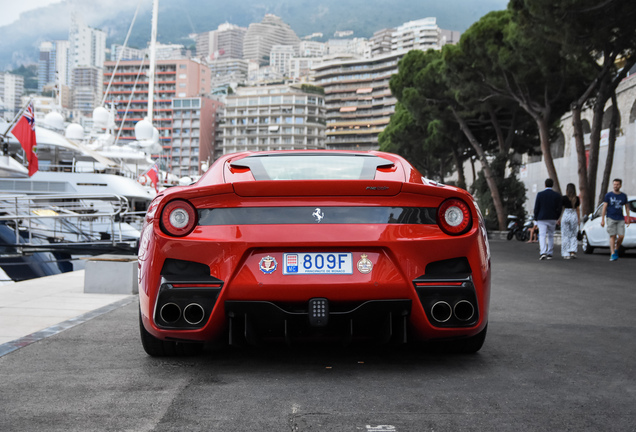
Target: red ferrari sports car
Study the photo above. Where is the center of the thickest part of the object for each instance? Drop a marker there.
(294, 245)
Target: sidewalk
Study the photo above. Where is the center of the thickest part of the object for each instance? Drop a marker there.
(34, 309)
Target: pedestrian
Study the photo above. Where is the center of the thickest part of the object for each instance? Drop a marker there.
(613, 206)
(533, 233)
(570, 221)
(547, 210)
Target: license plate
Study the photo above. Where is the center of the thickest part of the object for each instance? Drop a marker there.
(317, 263)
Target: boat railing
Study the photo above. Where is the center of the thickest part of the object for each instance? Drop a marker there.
(65, 219)
(91, 167)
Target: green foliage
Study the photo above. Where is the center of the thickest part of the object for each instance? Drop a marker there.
(513, 194)
(30, 74)
(308, 88)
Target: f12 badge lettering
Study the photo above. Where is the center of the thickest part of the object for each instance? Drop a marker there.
(268, 264)
(365, 265)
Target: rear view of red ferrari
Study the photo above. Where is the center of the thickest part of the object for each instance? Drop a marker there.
(295, 245)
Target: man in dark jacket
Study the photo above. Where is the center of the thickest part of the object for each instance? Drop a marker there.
(547, 210)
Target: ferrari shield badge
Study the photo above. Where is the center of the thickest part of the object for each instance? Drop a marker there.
(268, 264)
(365, 265)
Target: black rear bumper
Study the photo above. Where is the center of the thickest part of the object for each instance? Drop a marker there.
(380, 320)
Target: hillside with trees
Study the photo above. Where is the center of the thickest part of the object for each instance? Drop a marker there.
(180, 18)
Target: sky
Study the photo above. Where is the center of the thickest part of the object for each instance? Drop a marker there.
(11, 9)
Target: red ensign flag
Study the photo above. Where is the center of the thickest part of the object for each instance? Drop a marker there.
(24, 131)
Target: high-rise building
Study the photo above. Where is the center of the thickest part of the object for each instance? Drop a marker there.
(358, 100)
(355, 46)
(174, 79)
(261, 37)
(277, 117)
(126, 53)
(53, 65)
(11, 90)
(421, 34)
(226, 71)
(380, 42)
(193, 134)
(280, 57)
(312, 49)
(87, 45)
(223, 43)
(300, 67)
(87, 89)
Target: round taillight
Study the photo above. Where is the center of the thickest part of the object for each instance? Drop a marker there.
(454, 217)
(178, 218)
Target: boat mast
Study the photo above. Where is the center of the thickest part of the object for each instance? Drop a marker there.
(153, 43)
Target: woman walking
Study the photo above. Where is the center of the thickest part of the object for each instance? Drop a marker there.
(570, 222)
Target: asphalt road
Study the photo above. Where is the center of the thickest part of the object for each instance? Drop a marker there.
(560, 355)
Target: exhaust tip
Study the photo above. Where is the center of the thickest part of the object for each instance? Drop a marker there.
(441, 311)
(464, 310)
(193, 313)
(170, 313)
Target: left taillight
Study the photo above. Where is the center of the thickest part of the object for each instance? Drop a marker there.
(454, 217)
(178, 218)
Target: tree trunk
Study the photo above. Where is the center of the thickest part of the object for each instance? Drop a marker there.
(544, 135)
(595, 142)
(488, 172)
(611, 145)
(579, 140)
(459, 163)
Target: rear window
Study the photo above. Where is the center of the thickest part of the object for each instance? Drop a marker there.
(313, 166)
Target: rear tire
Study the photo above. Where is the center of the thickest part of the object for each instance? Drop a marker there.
(520, 235)
(510, 235)
(159, 348)
(585, 245)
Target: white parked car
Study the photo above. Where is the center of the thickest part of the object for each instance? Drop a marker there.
(595, 236)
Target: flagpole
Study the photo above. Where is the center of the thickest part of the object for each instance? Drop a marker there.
(17, 117)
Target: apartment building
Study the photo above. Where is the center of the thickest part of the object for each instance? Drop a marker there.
(227, 71)
(276, 117)
(261, 37)
(358, 100)
(11, 90)
(421, 34)
(87, 45)
(174, 79)
(223, 43)
(126, 53)
(88, 89)
(280, 56)
(380, 42)
(53, 64)
(193, 134)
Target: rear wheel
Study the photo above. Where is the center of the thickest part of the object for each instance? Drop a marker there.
(520, 235)
(159, 348)
(585, 245)
(510, 235)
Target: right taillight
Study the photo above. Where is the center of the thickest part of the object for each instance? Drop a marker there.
(454, 217)
(178, 218)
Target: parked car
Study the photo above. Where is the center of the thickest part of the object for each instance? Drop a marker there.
(299, 245)
(595, 236)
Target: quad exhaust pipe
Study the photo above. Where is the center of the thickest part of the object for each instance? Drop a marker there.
(193, 313)
(464, 310)
(442, 311)
(170, 313)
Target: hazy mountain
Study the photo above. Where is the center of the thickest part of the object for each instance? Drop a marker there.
(179, 18)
